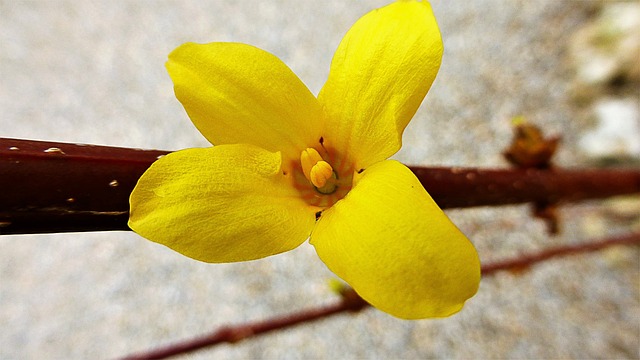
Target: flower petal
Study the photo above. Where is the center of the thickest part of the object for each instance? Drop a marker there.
(237, 93)
(220, 204)
(379, 75)
(396, 248)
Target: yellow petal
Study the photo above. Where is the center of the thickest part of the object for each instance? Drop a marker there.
(236, 93)
(220, 204)
(379, 75)
(393, 244)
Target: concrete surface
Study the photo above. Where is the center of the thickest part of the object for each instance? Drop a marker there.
(92, 72)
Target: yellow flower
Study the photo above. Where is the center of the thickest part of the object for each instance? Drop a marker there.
(287, 166)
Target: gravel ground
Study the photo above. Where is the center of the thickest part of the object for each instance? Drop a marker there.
(92, 72)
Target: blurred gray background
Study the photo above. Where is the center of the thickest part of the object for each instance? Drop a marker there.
(93, 72)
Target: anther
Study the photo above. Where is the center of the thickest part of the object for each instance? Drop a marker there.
(308, 159)
(319, 172)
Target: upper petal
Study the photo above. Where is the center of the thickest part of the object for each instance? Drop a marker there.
(379, 75)
(220, 204)
(396, 248)
(236, 93)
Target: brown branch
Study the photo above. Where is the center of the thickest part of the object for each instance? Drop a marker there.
(468, 187)
(55, 187)
(59, 187)
(352, 302)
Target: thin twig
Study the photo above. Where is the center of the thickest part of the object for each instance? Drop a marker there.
(59, 187)
(350, 301)
(233, 334)
(525, 261)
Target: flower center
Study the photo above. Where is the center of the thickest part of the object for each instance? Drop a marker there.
(318, 171)
(321, 175)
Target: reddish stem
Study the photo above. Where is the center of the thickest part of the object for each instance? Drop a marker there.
(59, 187)
(55, 187)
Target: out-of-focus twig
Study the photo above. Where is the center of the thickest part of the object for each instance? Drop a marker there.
(58, 187)
(531, 149)
(350, 301)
